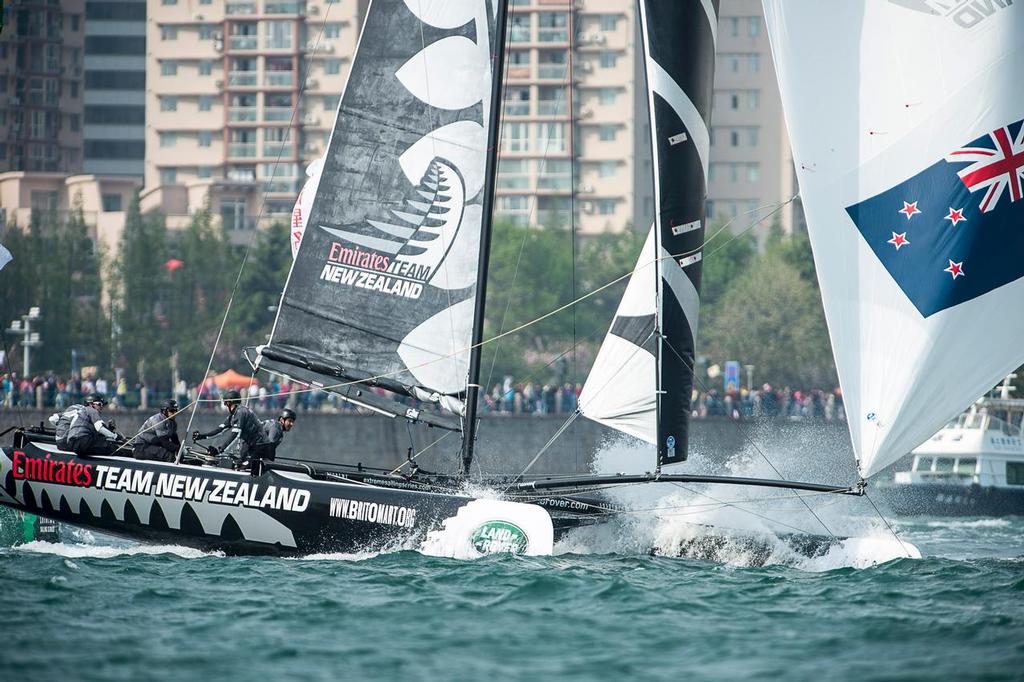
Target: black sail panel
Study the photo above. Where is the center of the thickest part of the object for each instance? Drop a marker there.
(383, 284)
(679, 44)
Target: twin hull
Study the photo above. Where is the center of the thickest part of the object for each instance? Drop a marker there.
(275, 513)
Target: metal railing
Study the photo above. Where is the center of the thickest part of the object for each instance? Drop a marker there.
(242, 150)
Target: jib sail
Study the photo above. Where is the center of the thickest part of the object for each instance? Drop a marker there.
(383, 285)
(643, 376)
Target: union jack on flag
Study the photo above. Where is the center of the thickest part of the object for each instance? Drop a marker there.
(997, 162)
(948, 234)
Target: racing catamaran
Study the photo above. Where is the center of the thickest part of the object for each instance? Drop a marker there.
(387, 291)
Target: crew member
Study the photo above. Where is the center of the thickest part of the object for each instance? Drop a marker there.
(158, 440)
(88, 435)
(62, 423)
(245, 427)
(273, 434)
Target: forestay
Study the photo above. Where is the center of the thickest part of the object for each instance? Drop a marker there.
(643, 376)
(384, 280)
(905, 121)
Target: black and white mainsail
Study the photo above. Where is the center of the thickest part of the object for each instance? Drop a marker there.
(642, 378)
(384, 282)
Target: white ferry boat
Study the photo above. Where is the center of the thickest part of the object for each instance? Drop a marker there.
(974, 466)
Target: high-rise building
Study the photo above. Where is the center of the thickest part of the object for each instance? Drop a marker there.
(41, 86)
(115, 87)
(566, 57)
(240, 96)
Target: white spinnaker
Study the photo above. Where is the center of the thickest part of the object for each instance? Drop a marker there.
(620, 391)
(875, 92)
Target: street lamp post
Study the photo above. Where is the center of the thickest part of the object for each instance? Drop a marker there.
(29, 338)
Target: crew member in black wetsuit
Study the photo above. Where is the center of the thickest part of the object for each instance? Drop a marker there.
(273, 433)
(88, 435)
(158, 439)
(245, 427)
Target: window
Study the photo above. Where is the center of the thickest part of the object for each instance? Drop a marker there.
(205, 2)
(514, 209)
(277, 35)
(606, 95)
(753, 100)
(205, 138)
(753, 172)
(74, 23)
(1015, 473)
(754, 63)
(332, 67)
(753, 136)
(205, 67)
(734, 101)
(43, 200)
(207, 31)
(555, 174)
(734, 27)
(513, 174)
(75, 120)
(753, 26)
(332, 30)
(330, 102)
(966, 466)
(232, 213)
(605, 206)
(734, 138)
(168, 33)
(168, 67)
(609, 22)
(205, 103)
(551, 137)
(168, 176)
(607, 133)
(168, 139)
(944, 464)
(606, 169)
(74, 89)
(608, 60)
(516, 137)
(168, 103)
(168, 2)
(112, 202)
(204, 171)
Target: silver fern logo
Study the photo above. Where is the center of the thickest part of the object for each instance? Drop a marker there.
(433, 239)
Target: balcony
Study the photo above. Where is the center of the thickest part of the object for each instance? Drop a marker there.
(242, 150)
(272, 150)
(277, 113)
(553, 35)
(240, 8)
(519, 35)
(552, 108)
(552, 72)
(242, 114)
(284, 7)
(517, 108)
(242, 79)
(278, 79)
(279, 185)
(243, 42)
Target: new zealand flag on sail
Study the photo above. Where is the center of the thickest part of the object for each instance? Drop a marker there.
(954, 231)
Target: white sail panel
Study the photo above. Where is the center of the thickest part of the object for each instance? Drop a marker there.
(621, 388)
(918, 239)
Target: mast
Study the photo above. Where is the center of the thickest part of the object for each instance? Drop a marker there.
(473, 386)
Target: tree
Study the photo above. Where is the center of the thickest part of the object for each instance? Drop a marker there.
(771, 317)
(259, 289)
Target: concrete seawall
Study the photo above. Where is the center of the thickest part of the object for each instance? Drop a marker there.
(818, 451)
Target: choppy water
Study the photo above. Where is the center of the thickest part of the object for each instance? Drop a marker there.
(81, 610)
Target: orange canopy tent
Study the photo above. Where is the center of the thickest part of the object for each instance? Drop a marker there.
(232, 379)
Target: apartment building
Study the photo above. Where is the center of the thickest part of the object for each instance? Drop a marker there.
(565, 58)
(115, 87)
(223, 106)
(41, 86)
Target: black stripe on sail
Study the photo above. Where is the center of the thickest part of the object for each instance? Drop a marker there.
(639, 331)
(677, 352)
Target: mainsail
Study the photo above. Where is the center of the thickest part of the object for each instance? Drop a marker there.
(383, 285)
(908, 140)
(642, 379)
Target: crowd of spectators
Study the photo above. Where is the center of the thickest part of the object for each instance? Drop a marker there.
(507, 397)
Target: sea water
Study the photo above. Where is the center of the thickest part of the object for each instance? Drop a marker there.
(603, 607)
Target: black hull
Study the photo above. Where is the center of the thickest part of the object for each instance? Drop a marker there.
(214, 509)
(953, 500)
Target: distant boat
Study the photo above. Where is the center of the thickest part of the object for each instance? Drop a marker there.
(974, 466)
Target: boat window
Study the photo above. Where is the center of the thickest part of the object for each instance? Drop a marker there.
(944, 464)
(966, 466)
(996, 424)
(1015, 473)
(923, 464)
(972, 420)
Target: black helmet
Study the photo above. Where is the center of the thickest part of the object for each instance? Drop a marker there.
(169, 405)
(287, 413)
(232, 396)
(94, 398)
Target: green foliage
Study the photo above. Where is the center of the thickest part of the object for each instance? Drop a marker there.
(262, 281)
(56, 267)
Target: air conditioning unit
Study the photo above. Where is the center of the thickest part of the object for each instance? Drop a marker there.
(594, 39)
(586, 112)
(197, 17)
(312, 84)
(586, 189)
(310, 120)
(313, 10)
(218, 84)
(588, 206)
(327, 47)
(585, 67)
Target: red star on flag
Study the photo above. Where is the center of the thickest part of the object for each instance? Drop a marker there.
(909, 210)
(899, 240)
(955, 269)
(955, 215)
